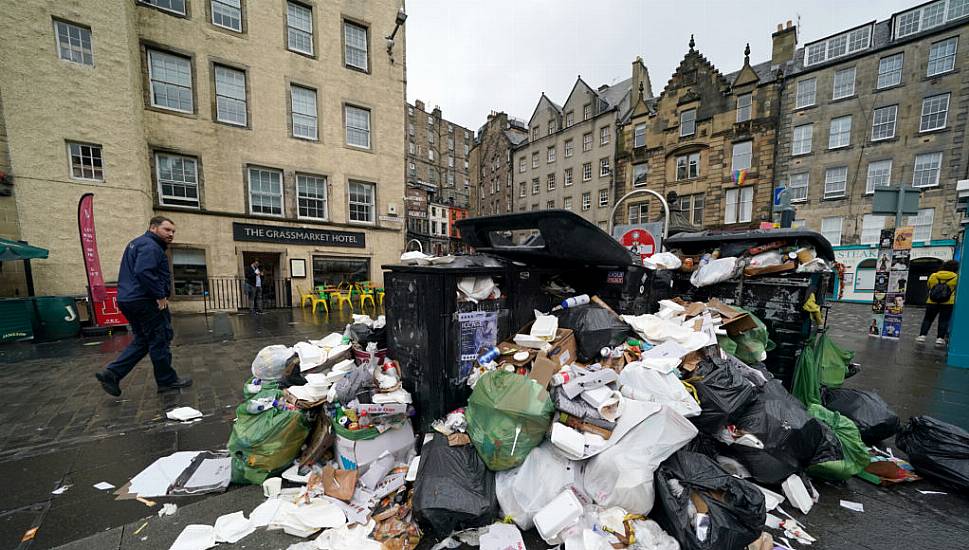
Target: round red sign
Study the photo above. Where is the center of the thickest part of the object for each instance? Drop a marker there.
(639, 242)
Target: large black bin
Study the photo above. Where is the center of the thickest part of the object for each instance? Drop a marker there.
(776, 300)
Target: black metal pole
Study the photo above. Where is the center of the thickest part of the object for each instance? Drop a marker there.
(29, 275)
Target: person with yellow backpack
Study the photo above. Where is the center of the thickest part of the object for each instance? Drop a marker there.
(942, 295)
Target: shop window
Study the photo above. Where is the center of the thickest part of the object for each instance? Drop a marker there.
(331, 272)
(188, 271)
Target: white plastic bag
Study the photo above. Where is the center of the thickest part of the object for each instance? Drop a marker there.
(622, 475)
(270, 362)
(764, 259)
(525, 490)
(662, 260)
(716, 271)
(650, 536)
(637, 381)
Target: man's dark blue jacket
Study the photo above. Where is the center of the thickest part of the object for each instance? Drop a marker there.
(144, 273)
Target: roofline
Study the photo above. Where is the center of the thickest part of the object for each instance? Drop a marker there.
(872, 22)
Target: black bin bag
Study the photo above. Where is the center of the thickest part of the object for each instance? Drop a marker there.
(735, 506)
(595, 327)
(454, 490)
(876, 421)
(723, 394)
(792, 438)
(937, 450)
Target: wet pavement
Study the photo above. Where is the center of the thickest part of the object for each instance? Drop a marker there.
(59, 427)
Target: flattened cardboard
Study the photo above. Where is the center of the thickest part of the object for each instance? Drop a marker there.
(543, 369)
(780, 268)
(458, 439)
(563, 350)
(739, 325)
(693, 309)
(725, 311)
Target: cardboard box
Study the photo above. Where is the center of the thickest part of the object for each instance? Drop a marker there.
(734, 321)
(563, 346)
(779, 268)
(353, 455)
(543, 369)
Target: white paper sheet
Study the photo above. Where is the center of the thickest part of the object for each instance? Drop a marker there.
(195, 537)
(183, 414)
(233, 527)
(856, 506)
(154, 480)
(263, 514)
(103, 486)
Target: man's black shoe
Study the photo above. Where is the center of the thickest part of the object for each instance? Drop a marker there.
(179, 383)
(109, 382)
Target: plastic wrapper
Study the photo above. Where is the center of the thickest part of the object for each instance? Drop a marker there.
(595, 328)
(508, 415)
(662, 260)
(454, 490)
(753, 344)
(525, 490)
(270, 362)
(723, 394)
(855, 453)
(736, 514)
(876, 421)
(265, 443)
(646, 384)
(937, 450)
(821, 363)
(713, 272)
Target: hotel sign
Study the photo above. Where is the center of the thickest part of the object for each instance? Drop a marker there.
(296, 235)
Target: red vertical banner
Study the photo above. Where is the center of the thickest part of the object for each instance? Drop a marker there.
(104, 303)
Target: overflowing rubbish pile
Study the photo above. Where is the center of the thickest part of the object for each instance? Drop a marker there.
(741, 259)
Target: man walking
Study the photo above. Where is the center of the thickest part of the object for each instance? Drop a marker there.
(942, 297)
(254, 287)
(144, 283)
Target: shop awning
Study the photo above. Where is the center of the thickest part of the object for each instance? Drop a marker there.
(12, 250)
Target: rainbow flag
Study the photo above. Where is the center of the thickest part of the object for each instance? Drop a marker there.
(740, 176)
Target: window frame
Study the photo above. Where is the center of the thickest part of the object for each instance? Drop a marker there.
(567, 202)
(586, 165)
(952, 57)
(550, 183)
(944, 112)
(798, 95)
(282, 190)
(831, 133)
(536, 186)
(569, 147)
(841, 226)
(316, 115)
(747, 108)
(797, 144)
(876, 124)
(153, 4)
(568, 178)
(586, 142)
(72, 48)
(876, 165)
(645, 168)
(604, 136)
(639, 137)
(325, 199)
(346, 127)
(603, 198)
(94, 171)
(874, 233)
(372, 204)
(913, 221)
(290, 29)
(587, 201)
(691, 120)
(605, 168)
(690, 165)
(826, 193)
(750, 155)
(352, 23)
(806, 187)
(550, 154)
(216, 67)
(150, 51)
(159, 182)
(893, 71)
(835, 84)
(916, 171)
(522, 164)
(242, 17)
(738, 216)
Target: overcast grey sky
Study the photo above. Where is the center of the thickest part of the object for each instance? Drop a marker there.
(471, 57)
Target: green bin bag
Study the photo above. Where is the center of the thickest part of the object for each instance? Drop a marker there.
(265, 443)
(508, 415)
(821, 363)
(265, 385)
(752, 346)
(855, 452)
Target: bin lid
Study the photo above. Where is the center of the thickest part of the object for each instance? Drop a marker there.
(701, 241)
(13, 250)
(544, 238)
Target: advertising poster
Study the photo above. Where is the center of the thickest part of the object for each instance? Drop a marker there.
(892, 326)
(877, 322)
(903, 238)
(881, 281)
(900, 259)
(897, 281)
(477, 331)
(894, 304)
(878, 303)
(883, 298)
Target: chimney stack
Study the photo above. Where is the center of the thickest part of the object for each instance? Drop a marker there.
(641, 77)
(784, 44)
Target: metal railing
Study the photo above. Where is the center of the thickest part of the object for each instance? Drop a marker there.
(228, 293)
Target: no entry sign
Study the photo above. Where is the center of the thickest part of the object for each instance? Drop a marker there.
(640, 242)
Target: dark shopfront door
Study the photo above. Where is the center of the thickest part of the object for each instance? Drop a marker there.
(269, 264)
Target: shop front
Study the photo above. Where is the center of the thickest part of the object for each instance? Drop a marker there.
(857, 282)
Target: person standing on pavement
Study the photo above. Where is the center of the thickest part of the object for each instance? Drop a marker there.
(144, 283)
(942, 296)
(254, 287)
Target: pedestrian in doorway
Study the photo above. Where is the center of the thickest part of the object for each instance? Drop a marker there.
(254, 287)
(942, 296)
(144, 283)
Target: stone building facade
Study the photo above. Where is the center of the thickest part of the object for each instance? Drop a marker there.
(708, 138)
(438, 171)
(265, 130)
(491, 164)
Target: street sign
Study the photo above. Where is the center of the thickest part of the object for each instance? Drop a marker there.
(777, 195)
(895, 201)
(640, 242)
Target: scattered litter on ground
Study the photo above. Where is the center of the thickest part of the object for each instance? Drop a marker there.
(168, 509)
(140, 529)
(195, 537)
(184, 414)
(29, 534)
(62, 489)
(103, 486)
(855, 506)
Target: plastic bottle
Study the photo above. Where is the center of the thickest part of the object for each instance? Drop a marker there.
(372, 350)
(633, 342)
(256, 406)
(574, 301)
(562, 377)
(364, 420)
(390, 369)
(255, 386)
(489, 356)
(346, 335)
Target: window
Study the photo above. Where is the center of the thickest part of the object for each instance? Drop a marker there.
(522, 164)
(942, 56)
(551, 127)
(230, 95)
(604, 167)
(837, 46)
(550, 181)
(835, 182)
(522, 189)
(178, 183)
(871, 228)
(176, 6)
(844, 83)
(535, 159)
(603, 135)
(265, 191)
(410, 129)
(742, 153)
(797, 187)
(692, 207)
(890, 70)
(739, 205)
(927, 168)
(305, 113)
(803, 139)
(568, 177)
(922, 224)
(450, 144)
(879, 175)
(935, 112)
(603, 198)
(639, 135)
(744, 104)
(86, 162)
(586, 200)
(535, 186)
(361, 202)
(430, 138)
(430, 121)
(569, 148)
(227, 14)
(587, 171)
(450, 162)
(412, 167)
(299, 28)
(430, 154)
(535, 133)
(74, 43)
(840, 132)
(587, 142)
(311, 196)
(831, 229)
(411, 148)
(587, 111)
(638, 213)
(883, 123)
(355, 50)
(688, 166)
(569, 118)
(640, 172)
(929, 16)
(806, 93)
(358, 127)
(567, 203)
(550, 154)
(188, 271)
(170, 78)
(688, 123)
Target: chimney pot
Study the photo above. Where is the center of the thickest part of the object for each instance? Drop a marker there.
(789, 23)
(780, 27)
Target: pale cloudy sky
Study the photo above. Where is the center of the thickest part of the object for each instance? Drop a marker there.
(471, 57)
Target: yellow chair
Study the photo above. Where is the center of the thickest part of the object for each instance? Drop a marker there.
(366, 295)
(324, 299)
(304, 296)
(343, 297)
(380, 297)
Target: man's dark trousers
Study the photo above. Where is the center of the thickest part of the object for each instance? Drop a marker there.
(152, 330)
